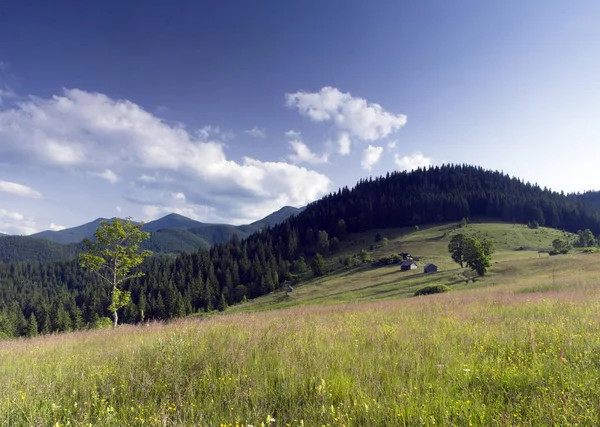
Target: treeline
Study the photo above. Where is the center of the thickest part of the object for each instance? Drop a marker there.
(59, 296)
(25, 248)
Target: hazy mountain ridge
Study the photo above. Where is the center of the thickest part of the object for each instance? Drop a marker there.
(213, 233)
(172, 233)
(70, 235)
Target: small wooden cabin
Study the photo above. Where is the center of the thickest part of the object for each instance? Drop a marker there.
(430, 268)
(409, 265)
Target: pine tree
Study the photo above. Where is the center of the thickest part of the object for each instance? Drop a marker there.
(222, 303)
(32, 326)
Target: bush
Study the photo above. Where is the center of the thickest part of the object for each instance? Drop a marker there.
(432, 289)
(103, 323)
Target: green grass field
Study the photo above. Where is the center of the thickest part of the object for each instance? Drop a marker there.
(520, 347)
(430, 245)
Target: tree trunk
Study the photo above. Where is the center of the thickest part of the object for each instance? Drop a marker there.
(115, 319)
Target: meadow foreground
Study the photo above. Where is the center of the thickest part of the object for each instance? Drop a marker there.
(485, 357)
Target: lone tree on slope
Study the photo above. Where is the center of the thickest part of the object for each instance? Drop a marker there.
(470, 251)
(113, 256)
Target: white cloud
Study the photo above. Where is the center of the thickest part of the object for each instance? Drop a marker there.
(179, 196)
(108, 175)
(214, 132)
(207, 131)
(370, 157)
(90, 132)
(292, 134)
(55, 227)
(147, 178)
(301, 152)
(354, 116)
(412, 162)
(19, 190)
(256, 132)
(344, 143)
(392, 145)
(16, 223)
(118, 208)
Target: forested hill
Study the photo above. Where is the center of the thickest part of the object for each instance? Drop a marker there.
(591, 197)
(445, 193)
(61, 297)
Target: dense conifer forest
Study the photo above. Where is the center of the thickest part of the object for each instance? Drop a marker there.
(59, 296)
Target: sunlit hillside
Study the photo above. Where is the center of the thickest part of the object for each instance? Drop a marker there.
(516, 259)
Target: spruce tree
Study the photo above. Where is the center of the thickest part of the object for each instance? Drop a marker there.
(32, 326)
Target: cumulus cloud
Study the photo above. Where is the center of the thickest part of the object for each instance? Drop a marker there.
(16, 223)
(301, 152)
(56, 227)
(214, 132)
(344, 143)
(108, 175)
(392, 145)
(207, 131)
(19, 190)
(256, 132)
(412, 162)
(354, 117)
(91, 132)
(370, 157)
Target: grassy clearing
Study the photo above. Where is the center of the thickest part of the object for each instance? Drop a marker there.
(484, 358)
(430, 245)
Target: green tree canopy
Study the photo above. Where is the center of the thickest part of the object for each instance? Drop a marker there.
(471, 252)
(323, 241)
(318, 265)
(477, 255)
(113, 255)
(456, 247)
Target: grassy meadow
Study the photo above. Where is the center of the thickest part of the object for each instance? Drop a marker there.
(518, 348)
(366, 283)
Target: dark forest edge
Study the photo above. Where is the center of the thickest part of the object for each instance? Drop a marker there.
(40, 297)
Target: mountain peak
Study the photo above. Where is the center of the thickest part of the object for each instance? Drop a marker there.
(277, 216)
(172, 220)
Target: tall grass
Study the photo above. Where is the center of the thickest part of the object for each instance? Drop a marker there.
(482, 358)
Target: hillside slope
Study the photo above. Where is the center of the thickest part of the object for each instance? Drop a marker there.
(429, 245)
(173, 221)
(70, 235)
(273, 219)
(25, 248)
(231, 272)
(172, 240)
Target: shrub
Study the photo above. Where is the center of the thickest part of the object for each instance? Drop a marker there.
(432, 289)
(103, 323)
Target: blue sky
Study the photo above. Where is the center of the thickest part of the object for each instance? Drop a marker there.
(226, 111)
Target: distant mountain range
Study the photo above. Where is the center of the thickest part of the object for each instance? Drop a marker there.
(172, 233)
